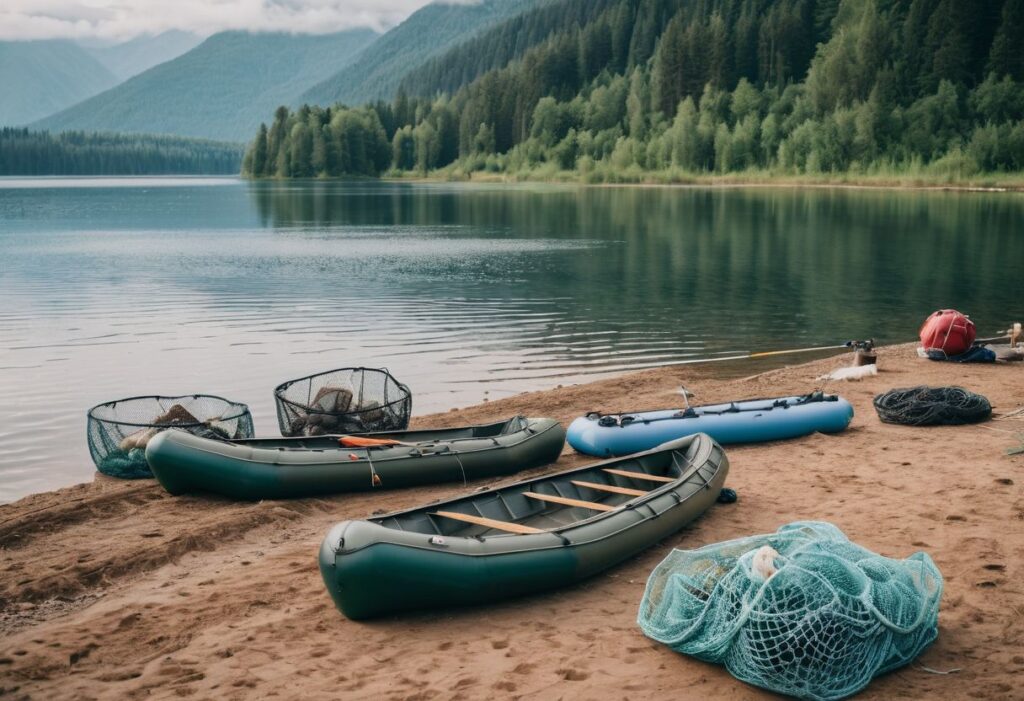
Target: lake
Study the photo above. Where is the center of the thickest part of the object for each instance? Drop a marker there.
(112, 288)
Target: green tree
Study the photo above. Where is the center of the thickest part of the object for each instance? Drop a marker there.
(258, 164)
(638, 104)
(771, 137)
(484, 141)
(547, 122)
(318, 152)
(746, 100)
(300, 162)
(723, 148)
(1006, 56)
(403, 148)
(998, 100)
(428, 147)
(686, 152)
(743, 147)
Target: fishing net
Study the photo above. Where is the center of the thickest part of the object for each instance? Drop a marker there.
(119, 431)
(932, 406)
(811, 615)
(348, 400)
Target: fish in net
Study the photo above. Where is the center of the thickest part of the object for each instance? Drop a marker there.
(802, 611)
(932, 406)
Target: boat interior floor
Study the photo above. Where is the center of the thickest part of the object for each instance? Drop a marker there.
(545, 503)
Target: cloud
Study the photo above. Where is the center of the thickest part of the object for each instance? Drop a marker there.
(124, 19)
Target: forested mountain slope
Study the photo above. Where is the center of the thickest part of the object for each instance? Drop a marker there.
(613, 89)
(221, 89)
(41, 77)
(143, 52)
(379, 68)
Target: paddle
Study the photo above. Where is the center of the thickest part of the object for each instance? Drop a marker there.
(363, 442)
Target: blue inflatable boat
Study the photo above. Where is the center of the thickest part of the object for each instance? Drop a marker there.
(749, 421)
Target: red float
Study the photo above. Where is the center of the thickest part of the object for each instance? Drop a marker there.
(948, 331)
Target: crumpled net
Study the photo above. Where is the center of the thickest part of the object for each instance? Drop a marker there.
(831, 618)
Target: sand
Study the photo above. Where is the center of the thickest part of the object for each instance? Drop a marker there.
(117, 590)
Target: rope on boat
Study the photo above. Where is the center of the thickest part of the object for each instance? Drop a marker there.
(624, 418)
(375, 480)
(932, 406)
(459, 460)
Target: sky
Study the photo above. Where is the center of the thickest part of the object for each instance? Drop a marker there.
(125, 19)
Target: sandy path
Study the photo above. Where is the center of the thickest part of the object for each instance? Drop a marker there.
(116, 590)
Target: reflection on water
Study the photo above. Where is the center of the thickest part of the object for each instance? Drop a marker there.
(464, 292)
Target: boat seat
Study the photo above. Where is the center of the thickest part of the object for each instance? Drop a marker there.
(490, 523)
(570, 502)
(639, 475)
(609, 488)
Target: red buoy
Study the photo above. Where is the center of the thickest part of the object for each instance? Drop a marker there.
(948, 331)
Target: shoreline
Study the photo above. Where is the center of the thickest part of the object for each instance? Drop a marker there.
(117, 589)
(915, 184)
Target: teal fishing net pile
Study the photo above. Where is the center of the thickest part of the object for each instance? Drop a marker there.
(831, 617)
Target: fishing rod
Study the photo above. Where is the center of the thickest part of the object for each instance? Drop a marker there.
(866, 346)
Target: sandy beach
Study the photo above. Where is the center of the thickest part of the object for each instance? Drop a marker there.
(118, 590)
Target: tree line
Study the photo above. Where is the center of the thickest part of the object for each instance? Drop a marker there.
(629, 87)
(25, 152)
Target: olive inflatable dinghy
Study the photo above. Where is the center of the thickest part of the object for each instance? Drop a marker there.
(522, 538)
(748, 421)
(285, 468)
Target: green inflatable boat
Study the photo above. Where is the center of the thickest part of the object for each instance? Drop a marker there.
(285, 468)
(537, 534)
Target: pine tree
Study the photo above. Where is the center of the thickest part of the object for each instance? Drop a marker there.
(258, 165)
(403, 148)
(1007, 54)
(638, 104)
(951, 57)
(318, 149)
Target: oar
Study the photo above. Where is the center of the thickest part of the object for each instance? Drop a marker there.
(765, 354)
(1011, 335)
(361, 442)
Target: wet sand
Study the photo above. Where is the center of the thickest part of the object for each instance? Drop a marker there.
(118, 590)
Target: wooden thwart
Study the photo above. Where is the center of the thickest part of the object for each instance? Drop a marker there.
(639, 475)
(570, 502)
(609, 488)
(490, 523)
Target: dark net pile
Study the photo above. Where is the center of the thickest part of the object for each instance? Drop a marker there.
(802, 611)
(932, 406)
(348, 400)
(119, 431)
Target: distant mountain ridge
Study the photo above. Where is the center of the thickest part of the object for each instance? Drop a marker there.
(39, 78)
(431, 30)
(222, 89)
(132, 57)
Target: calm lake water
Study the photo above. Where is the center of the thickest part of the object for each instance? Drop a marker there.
(114, 288)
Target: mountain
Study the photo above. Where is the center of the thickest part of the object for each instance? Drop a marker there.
(378, 70)
(141, 53)
(42, 77)
(496, 46)
(222, 89)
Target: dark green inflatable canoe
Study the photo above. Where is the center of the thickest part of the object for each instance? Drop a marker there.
(538, 534)
(284, 468)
